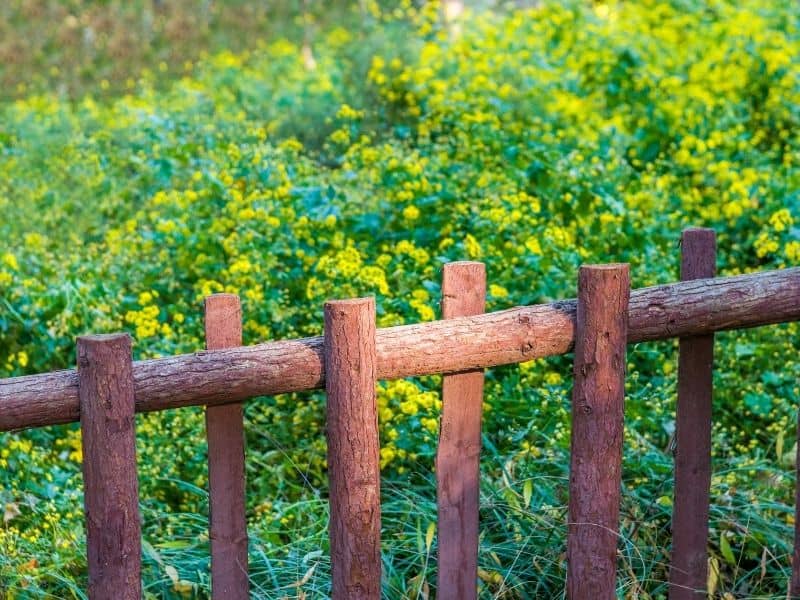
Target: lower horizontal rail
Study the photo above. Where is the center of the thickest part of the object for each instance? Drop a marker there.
(452, 345)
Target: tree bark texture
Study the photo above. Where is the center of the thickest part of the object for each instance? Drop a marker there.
(458, 453)
(597, 431)
(226, 470)
(689, 566)
(353, 449)
(794, 582)
(111, 488)
(688, 308)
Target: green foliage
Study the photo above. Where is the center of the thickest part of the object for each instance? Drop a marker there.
(73, 46)
(534, 140)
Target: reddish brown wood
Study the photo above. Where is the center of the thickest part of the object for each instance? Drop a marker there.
(597, 430)
(458, 454)
(794, 582)
(111, 489)
(453, 345)
(353, 449)
(226, 476)
(689, 567)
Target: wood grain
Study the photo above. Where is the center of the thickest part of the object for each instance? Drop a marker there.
(597, 431)
(689, 567)
(794, 580)
(223, 376)
(458, 453)
(226, 470)
(353, 449)
(111, 488)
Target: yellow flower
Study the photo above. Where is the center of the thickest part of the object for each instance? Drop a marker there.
(10, 261)
(781, 220)
(533, 246)
(498, 291)
(552, 378)
(348, 112)
(340, 136)
(388, 454)
(430, 424)
(792, 251)
(765, 245)
(411, 213)
(472, 247)
(409, 407)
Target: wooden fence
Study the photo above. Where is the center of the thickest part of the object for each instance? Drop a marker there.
(107, 388)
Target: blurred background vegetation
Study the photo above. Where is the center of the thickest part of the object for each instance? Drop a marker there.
(74, 47)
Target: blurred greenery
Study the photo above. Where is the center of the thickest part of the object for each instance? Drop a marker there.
(292, 171)
(74, 47)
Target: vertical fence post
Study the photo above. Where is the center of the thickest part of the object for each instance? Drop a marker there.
(353, 449)
(597, 431)
(794, 582)
(689, 567)
(458, 453)
(226, 474)
(111, 488)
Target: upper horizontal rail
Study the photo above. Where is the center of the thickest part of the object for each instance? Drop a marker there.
(505, 337)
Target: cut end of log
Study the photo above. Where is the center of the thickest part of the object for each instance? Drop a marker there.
(464, 263)
(350, 304)
(89, 347)
(705, 231)
(103, 338)
(215, 300)
(606, 267)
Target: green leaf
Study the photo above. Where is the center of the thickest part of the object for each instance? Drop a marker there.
(429, 535)
(725, 549)
(760, 404)
(527, 492)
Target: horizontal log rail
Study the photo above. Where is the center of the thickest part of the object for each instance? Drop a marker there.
(448, 346)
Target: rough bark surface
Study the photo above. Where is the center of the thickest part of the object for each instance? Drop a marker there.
(458, 453)
(794, 582)
(111, 489)
(448, 346)
(226, 472)
(353, 449)
(597, 427)
(689, 566)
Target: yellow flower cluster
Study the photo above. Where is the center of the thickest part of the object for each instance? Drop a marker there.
(403, 404)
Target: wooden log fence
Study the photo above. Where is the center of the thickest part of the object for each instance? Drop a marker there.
(226, 477)
(595, 473)
(458, 452)
(108, 388)
(689, 566)
(111, 487)
(353, 449)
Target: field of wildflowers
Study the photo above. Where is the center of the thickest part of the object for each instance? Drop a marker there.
(533, 139)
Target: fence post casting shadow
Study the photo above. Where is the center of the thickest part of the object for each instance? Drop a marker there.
(597, 430)
(353, 449)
